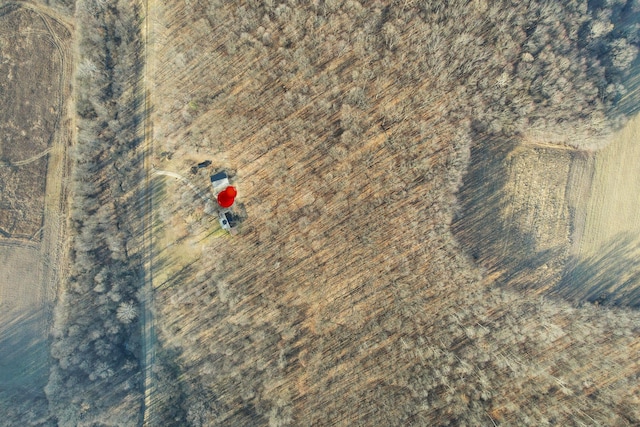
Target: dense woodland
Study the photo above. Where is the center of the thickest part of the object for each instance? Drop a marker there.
(346, 300)
(320, 313)
(96, 346)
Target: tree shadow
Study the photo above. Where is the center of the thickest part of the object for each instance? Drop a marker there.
(480, 199)
(494, 243)
(612, 277)
(24, 357)
(628, 104)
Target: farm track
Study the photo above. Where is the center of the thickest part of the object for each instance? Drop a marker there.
(147, 321)
(30, 159)
(53, 249)
(186, 181)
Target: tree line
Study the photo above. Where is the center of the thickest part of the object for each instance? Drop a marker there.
(96, 376)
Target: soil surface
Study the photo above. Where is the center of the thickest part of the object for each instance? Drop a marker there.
(31, 67)
(35, 131)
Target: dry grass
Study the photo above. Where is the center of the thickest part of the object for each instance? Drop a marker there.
(613, 209)
(31, 114)
(536, 209)
(607, 236)
(35, 133)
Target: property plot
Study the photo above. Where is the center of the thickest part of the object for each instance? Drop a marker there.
(33, 67)
(344, 299)
(607, 249)
(24, 352)
(34, 133)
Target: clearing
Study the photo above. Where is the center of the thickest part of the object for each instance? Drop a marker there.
(607, 243)
(345, 299)
(517, 208)
(558, 220)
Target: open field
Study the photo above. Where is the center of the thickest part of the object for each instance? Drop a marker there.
(23, 318)
(35, 131)
(605, 266)
(560, 221)
(33, 91)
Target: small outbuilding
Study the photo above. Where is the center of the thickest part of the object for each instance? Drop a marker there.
(219, 181)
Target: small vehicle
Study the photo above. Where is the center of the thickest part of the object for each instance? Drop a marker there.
(227, 219)
(225, 193)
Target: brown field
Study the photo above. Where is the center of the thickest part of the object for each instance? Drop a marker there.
(606, 266)
(31, 113)
(34, 131)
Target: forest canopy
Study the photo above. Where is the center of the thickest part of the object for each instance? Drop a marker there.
(316, 316)
(351, 124)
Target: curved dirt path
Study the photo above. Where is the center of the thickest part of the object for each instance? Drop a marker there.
(29, 160)
(186, 181)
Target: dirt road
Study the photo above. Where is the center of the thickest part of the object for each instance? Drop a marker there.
(146, 318)
(195, 189)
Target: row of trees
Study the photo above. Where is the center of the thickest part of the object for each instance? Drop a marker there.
(96, 376)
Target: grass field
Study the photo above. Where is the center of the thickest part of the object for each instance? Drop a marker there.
(35, 131)
(606, 267)
(31, 113)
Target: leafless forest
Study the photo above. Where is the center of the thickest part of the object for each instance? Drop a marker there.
(96, 379)
(346, 299)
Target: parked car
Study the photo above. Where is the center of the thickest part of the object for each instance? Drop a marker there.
(228, 221)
